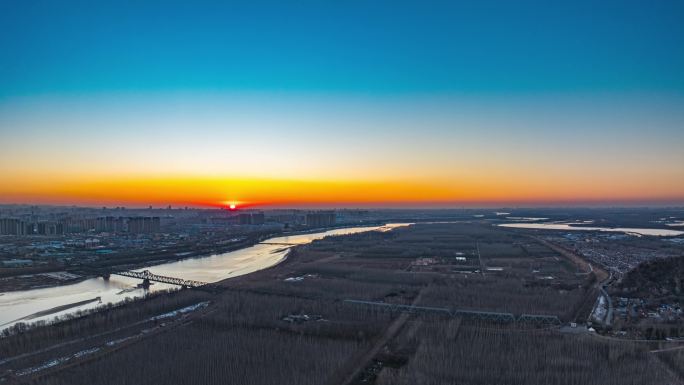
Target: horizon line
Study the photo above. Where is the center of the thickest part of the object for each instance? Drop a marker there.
(392, 206)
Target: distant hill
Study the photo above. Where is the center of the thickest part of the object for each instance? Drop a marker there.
(657, 278)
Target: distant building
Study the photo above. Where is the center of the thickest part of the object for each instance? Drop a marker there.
(12, 226)
(320, 218)
(89, 224)
(49, 228)
(79, 225)
(109, 224)
(286, 217)
(17, 263)
(251, 219)
(245, 219)
(119, 225)
(143, 225)
(258, 219)
(347, 215)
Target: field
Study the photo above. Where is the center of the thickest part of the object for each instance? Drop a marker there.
(471, 286)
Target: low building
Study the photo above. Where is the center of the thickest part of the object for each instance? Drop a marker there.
(17, 263)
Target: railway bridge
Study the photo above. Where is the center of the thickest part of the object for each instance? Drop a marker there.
(147, 276)
(540, 319)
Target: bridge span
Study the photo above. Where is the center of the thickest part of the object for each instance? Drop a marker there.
(541, 319)
(148, 276)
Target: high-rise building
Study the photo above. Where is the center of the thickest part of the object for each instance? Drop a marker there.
(119, 225)
(320, 218)
(245, 219)
(251, 219)
(156, 224)
(144, 225)
(135, 225)
(12, 226)
(80, 225)
(49, 228)
(30, 229)
(258, 219)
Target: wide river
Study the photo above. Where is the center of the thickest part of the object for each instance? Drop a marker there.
(47, 303)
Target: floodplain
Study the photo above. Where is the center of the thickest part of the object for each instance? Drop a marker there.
(438, 303)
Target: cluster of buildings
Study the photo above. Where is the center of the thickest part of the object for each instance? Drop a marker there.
(131, 225)
(36, 240)
(618, 253)
(320, 218)
(142, 225)
(639, 308)
(283, 218)
(251, 218)
(18, 227)
(123, 221)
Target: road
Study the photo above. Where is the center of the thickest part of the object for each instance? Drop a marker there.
(602, 276)
(479, 257)
(351, 371)
(100, 349)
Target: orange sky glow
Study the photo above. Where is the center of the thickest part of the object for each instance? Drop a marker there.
(255, 192)
(352, 152)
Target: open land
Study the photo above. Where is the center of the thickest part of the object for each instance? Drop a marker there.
(446, 303)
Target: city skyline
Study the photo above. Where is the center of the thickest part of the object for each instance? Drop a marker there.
(268, 105)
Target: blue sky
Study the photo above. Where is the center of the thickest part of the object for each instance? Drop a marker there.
(342, 46)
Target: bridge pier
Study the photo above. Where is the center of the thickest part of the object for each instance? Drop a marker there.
(145, 284)
(105, 276)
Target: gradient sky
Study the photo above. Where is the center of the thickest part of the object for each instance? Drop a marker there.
(356, 103)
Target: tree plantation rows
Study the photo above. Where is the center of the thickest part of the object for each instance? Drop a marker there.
(290, 324)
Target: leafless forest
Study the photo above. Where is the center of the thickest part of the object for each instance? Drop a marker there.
(291, 324)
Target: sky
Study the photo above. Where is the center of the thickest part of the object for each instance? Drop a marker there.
(342, 103)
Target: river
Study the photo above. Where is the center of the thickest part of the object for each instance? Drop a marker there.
(47, 303)
(568, 226)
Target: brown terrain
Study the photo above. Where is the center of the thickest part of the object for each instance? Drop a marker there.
(459, 303)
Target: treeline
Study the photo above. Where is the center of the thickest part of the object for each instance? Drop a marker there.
(243, 340)
(22, 338)
(659, 277)
(266, 330)
(200, 354)
(479, 355)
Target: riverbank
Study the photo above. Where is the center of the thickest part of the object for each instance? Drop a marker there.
(36, 281)
(41, 280)
(54, 310)
(213, 268)
(300, 320)
(245, 244)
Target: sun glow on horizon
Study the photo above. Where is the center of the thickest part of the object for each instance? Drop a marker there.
(261, 193)
(397, 153)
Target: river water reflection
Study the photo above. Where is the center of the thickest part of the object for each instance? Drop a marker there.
(568, 226)
(47, 303)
